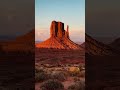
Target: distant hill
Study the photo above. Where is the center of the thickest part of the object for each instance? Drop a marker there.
(22, 43)
(115, 44)
(93, 47)
(29, 37)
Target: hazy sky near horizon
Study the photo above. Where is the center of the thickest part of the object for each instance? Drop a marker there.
(70, 12)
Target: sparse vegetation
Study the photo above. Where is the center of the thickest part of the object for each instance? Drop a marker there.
(77, 86)
(59, 76)
(52, 85)
(82, 74)
(76, 79)
(74, 71)
(40, 76)
(56, 66)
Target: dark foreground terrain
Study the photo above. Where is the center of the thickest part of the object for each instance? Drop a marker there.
(102, 72)
(16, 71)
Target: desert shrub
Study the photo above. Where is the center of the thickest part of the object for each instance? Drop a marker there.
(81, 66)
(41, 76)
(38, 70)
(52, 84)
(74, 71)
(80, 85)
(49, 71)
(81, 74)
(76, 79)
(61, 76)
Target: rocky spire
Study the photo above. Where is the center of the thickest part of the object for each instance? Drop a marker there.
(67, 31)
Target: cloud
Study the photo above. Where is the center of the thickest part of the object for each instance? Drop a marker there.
(41, 35)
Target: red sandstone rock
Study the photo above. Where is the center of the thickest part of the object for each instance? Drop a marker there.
(53, 29)
(59, 38)
(61, 30)
(67, 32)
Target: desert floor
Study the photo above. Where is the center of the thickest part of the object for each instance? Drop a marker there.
(51, 60)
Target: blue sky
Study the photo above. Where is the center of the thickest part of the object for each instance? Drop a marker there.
(70, 12)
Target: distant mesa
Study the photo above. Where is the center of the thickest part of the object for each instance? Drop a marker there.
(59, 38)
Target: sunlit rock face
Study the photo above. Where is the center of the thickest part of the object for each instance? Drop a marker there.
(59, 38)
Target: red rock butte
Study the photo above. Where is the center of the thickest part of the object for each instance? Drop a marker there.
(59, 38)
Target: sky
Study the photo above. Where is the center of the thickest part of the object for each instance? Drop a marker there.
(70, 12)
(17, 17)
(103, 18)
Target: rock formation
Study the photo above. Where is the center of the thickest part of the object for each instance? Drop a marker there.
(115, 44)
(94, 47)
(59, 38)
(24, 43)
(57, 30)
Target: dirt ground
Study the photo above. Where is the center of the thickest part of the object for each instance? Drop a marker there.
(62, 57)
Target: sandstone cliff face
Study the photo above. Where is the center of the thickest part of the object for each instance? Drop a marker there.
(59, 38)
(53, 29)
(57, 29)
